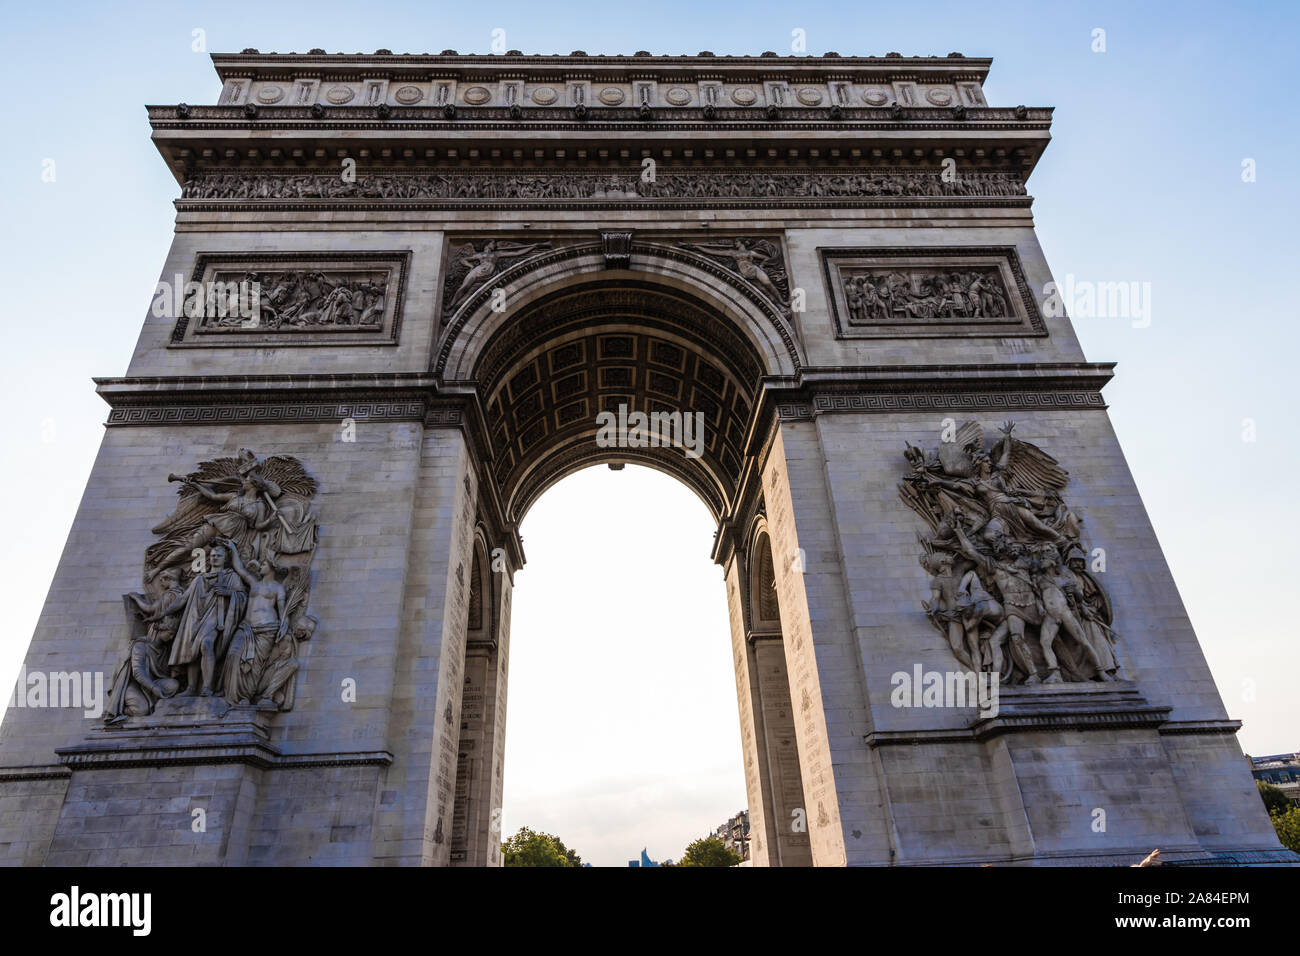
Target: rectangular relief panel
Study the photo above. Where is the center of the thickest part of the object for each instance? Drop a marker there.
(930, 292)
(265, 299)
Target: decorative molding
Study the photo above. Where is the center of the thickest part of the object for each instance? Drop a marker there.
(617, 247)
(261, 755)
(1088, 707)
(956, 401)
(1208, 728)
(310, 299)
(11, 774)
(443, 418)
(267, 399)
(708, 118)
(1137, 718)
(452, 325)
(266, 413)
(977, 291)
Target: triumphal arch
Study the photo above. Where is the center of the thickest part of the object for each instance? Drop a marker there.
(407, 294)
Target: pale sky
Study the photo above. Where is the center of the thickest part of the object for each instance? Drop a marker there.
(623, 729)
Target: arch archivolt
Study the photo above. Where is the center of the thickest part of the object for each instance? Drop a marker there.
(762, 606)
(481, 626)
(761, 321)
(675, 335)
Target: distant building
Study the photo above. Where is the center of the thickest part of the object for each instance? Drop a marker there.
(734, 834)
(1281, 770)
(646, 861)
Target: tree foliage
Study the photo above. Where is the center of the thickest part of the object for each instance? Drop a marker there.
(529, 848)
(709, 851)
(1274, 799)
(1287, 825)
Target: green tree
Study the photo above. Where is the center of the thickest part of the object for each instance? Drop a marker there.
(528, 848)
(1274, 799)
(570, 855)
(1287, 825)
(709, 851)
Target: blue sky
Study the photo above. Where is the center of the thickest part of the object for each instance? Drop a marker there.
(1141, 183)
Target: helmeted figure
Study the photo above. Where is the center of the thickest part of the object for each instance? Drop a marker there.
(231, 578)
(1000, 526)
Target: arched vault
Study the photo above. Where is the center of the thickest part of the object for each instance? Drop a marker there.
(675, 335)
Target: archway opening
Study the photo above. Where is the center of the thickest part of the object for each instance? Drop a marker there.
(623, 731)
(624, 368)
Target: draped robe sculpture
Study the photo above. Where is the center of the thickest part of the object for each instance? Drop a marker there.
(226, 590)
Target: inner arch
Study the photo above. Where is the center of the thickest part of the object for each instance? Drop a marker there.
(607, 345)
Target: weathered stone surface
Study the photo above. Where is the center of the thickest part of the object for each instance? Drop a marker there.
(533, 277)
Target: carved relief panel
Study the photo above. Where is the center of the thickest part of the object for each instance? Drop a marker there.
(226, 586)
(1013, 589)
(260, 299)
(920, 293)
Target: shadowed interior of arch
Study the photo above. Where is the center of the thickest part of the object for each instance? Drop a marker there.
(546, 376)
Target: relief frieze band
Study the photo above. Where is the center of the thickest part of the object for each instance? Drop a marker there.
(830, 186)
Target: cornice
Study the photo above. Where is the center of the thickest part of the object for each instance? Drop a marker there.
(44, 772)
(238, 64)
(424, 118)
(1137, 718)
(1046, 385)
(1211, 728)
(817, 390)
(258, 754)
(1081, 707)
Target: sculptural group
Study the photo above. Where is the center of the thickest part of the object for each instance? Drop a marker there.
(1012, 589)
(226, 587)
(303, 299)
(893, 295)
(668, 184)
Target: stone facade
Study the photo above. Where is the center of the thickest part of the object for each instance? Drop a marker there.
(463, 262)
